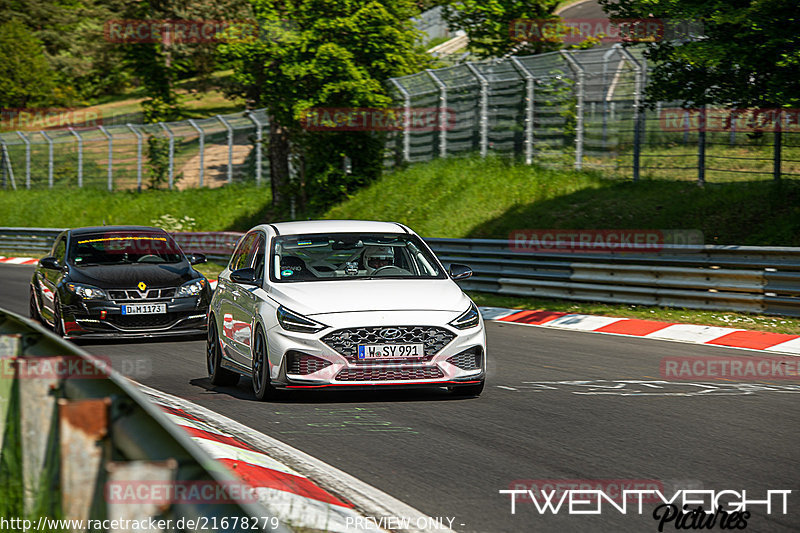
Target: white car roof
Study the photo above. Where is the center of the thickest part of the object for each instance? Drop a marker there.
(337, 226)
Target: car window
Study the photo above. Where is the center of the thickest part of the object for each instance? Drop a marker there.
(60, 250)
(117, 247)
(345, 256)
(244, 252)
(259, 255)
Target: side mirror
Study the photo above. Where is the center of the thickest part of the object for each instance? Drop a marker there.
(244, 276)
(458, 271)
(197, 259)
(50, 263)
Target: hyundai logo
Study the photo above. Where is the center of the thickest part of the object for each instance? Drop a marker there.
(390, 334)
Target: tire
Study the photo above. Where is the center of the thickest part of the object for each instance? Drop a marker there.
(217, 374)
(58, 323)
(34, 308)
(468, 391)
(261, 379)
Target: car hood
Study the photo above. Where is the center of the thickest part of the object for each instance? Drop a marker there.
(322, 297)
(129, 276)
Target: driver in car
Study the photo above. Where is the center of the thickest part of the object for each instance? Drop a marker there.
(376, 257)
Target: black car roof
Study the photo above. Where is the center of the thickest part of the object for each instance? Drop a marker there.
(100, 229)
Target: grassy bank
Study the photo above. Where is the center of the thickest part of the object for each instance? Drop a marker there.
(488, 199)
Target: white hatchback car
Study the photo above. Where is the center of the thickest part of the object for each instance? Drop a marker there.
(343, 303)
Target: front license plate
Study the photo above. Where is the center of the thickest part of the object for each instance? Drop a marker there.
(144, 309)
(390, 351)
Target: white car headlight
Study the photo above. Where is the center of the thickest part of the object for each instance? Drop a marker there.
(291, 321)
(87, 292)
(469, 319)
(192, 288)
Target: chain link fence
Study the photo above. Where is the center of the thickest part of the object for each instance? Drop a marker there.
(585, 109)
(581, 109)
(192, 153)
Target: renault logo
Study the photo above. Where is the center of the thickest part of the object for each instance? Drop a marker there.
(390, 334)
(142, 286)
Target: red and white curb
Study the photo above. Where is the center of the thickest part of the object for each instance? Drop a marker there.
(651, 329)
(262, 462)
(18, 260)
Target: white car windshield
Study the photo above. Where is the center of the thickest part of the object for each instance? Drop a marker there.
(344, 256)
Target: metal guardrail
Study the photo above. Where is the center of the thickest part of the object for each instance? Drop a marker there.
(72, 424)
(727, 278)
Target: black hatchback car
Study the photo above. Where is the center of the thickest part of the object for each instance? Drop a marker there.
(119, 281)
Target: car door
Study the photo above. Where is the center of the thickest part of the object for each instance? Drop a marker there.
(247, 303)
(49, 279)
(233, 330)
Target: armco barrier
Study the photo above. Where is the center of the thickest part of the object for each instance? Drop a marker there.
(70, 425)
(726, 278)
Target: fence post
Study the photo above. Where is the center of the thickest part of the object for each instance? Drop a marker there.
(259, 143)
(607, 94)
(230, 146)
(49, 158)
(442, 112)
(201, 139)
(27, 159)
(701, 148)
(138, 157)
(110, 157)
(529, 108)
(483, 118)
(578, 69)
(777, 145)
(171, 153)
(7, 169)
(638, 86)
(406, 120)
(80, 155)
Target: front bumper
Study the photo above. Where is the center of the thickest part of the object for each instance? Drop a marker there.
(104, 319)
(306, 361)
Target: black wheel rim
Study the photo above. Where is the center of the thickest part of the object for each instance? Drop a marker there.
(258, 363)
(57, 326)
(211, 348)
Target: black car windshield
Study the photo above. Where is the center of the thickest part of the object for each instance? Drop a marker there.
(346, 256)
(123, 247)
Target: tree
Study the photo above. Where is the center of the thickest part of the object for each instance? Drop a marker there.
(25, 76)
(322, 53)
(748, 54)
(491, 25)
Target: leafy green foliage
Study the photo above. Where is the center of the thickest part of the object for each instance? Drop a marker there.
(749, 55)
(25, 76)
(489, 25)
(322, 53)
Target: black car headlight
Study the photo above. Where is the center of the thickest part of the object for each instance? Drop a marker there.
(87, 292)
(468, 319)
(291, 321)
(192, 288)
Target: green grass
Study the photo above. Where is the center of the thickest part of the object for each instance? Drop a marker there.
(489, 198)
(233, 207)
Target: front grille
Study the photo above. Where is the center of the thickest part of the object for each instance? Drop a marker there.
(346, 341)
(133, 294)
(467, 360)
(303, 364)
(143, 321)
(389, 374)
